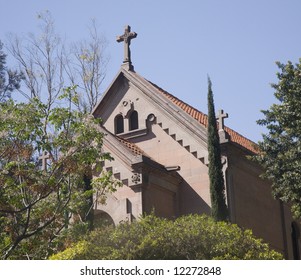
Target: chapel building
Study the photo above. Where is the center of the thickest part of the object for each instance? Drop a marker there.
(159, 146)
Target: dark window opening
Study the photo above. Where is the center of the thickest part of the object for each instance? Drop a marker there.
(119, 126)
(133, 121)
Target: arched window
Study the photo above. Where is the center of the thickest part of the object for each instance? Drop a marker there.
(133, 121)
(295, 241)
(119, 126)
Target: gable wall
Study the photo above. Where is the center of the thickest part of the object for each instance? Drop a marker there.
(194, 196)
(194, 191)
(134, 101)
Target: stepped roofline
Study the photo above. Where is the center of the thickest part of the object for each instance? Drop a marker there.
(201, 118)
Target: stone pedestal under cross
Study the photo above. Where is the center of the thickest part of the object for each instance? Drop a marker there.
(44, 158)
(126, 38)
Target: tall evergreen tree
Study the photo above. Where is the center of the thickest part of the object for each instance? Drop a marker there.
(219, 209)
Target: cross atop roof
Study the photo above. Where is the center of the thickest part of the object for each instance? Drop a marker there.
(220, 117)
(126, 38)
(44, 158)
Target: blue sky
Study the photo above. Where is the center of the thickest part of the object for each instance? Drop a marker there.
(179, 43)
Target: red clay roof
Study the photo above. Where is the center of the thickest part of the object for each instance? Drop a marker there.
(202, 118)
(132, 147)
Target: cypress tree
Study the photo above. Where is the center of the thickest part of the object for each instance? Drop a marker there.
(219, 209)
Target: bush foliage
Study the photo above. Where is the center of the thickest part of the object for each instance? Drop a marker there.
(188, 237)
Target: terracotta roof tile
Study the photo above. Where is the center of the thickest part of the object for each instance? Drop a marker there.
(132, 147)
(202, 118)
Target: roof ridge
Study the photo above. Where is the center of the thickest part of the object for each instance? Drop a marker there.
(202, 118)
(180, 103)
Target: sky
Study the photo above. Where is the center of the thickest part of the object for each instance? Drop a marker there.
(181, 42)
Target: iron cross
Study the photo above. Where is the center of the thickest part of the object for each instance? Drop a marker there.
(221, 116)
(126, 38)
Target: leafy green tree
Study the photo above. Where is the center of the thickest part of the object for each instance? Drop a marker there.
(9, 79)
(188, 238)
(217, 187)
(37, 203)
(280, 154)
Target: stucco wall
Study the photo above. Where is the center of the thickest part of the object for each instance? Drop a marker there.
(252, 204)
(159, 201)
(194, 194)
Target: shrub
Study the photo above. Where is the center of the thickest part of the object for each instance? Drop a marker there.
(188, 237)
